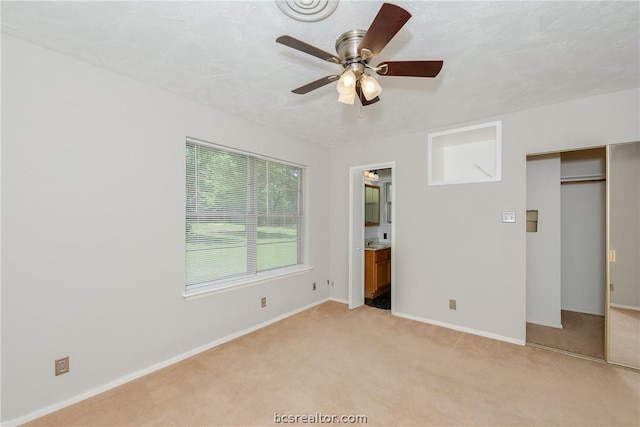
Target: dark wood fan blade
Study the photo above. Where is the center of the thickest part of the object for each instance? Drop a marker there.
(307, 48)
(410, 68)
(315, 85)
(385, 25)
(362, 97)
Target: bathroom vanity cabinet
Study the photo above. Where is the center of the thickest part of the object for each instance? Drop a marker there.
(377, 272)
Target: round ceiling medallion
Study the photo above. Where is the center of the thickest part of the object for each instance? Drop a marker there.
(307, 10)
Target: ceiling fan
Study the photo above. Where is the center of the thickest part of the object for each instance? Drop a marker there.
(355, 49)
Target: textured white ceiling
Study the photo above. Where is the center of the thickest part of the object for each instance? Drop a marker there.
(498, 57)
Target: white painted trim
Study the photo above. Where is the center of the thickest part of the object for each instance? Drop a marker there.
(543, 323)
(626, 307)
(360, 169)
(393, 235)
(340, 300)
(353, 245)
(462, 329)
(246, 282)
(155, 367)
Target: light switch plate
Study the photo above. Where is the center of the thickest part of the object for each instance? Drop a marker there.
(508, 216)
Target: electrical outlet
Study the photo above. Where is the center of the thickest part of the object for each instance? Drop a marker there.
(263, 302)
(452, 304)
(62, 366)
(508, 216)
(611, 287)
(314, 286)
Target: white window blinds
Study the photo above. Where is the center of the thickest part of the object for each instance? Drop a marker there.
(244, 216)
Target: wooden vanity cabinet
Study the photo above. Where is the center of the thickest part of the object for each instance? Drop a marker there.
(377, 272)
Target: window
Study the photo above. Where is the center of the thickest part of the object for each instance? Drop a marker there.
(244, 217)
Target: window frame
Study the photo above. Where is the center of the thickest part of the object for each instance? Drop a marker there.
(236, 282)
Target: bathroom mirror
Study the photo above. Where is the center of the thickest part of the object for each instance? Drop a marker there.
(388, 199)
(371, 205)
(624, 252)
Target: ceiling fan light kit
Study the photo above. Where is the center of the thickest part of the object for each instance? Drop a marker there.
(371, 175)
(347, 87)
(347, 98)
(355, 48)
(347, 81)
(370, 87)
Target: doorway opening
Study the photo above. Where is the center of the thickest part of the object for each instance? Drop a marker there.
(372, 236)
(566, 251)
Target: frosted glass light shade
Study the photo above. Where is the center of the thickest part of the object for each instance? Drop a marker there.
(370, 87)
(347, 98)
(347, 83)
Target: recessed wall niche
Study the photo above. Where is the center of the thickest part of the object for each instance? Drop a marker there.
(466, 155)
(532, 221)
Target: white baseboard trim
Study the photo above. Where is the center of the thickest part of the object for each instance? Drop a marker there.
(626, 307)
(341, 301)
(462, 329)
(145, 371)
(543, 323)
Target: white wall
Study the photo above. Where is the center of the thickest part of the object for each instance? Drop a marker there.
(584, 232)
(624, 226)
(93, 223)
(544, 246)
(449, 241)
(93, 228)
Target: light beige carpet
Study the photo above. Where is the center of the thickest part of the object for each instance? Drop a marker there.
(395, 371)
(581, 334)
(624, 339)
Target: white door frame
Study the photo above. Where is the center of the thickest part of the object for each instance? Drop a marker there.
(356, 234)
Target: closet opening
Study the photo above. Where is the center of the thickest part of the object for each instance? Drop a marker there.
(566, 251)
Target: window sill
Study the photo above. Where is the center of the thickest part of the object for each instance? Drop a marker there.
(243, 283)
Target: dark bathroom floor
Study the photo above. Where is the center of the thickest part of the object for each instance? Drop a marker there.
(382, 301)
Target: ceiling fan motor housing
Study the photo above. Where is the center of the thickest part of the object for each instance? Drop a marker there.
(347, 49)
